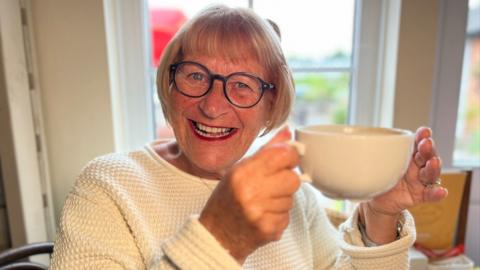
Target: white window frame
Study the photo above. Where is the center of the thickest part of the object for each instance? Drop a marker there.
(447, 75)
(29, 215)
(375, 45)
(129, 72)
(372, 72)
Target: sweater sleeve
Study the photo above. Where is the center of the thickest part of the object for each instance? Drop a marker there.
(393, 255)
(195, 248)
(93, 234)
(344, 248)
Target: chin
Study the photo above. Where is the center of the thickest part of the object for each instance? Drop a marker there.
(212, 167)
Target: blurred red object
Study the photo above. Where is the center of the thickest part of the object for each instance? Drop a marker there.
(164, 23)
(432, 254)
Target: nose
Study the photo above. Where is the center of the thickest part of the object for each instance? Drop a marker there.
(215, 104)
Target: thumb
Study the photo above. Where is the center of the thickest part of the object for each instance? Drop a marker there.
(282, 135)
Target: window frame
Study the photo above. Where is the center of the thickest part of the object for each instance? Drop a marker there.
(448, 75)
(372, 93)
(129, 71)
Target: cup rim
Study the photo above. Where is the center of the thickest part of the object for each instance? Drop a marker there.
(391, 132)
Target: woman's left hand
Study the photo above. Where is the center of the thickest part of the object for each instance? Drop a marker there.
(421, 183)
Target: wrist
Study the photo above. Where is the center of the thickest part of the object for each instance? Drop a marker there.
(378, 227)
(238, 251)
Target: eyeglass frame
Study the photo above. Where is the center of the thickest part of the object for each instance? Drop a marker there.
(213, 76)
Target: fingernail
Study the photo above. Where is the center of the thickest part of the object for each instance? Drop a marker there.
(430, 132)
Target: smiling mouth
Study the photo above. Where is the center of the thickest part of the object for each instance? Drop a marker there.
(212, 133)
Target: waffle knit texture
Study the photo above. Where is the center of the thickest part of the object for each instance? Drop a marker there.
(137, 211)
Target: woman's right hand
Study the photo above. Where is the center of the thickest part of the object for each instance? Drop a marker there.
(250, 206)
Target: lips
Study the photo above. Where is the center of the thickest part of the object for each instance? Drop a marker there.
(209, 133)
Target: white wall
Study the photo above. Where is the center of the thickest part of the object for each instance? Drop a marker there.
(72, 62)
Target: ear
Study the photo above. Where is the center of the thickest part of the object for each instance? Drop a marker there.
(270, 97)
(269, 104)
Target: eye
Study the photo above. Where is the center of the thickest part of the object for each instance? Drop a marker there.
(197, 76)
(240, 85)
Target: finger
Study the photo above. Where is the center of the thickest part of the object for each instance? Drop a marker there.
(425, 151)
(283, 183)
(434, 193)
(279, 205)
(272, 225)
(431, 172)
(282, 135)
(422, 133)
(274, 158)
(418, 159)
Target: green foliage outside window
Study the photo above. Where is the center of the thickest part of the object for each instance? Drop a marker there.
(326, 91)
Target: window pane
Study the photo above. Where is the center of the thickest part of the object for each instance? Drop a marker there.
(314, 33)
(167, 16)
(321, 98)
(467, 143)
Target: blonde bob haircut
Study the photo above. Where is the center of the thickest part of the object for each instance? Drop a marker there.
(234, 34)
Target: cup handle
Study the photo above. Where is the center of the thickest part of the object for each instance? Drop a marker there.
(305, 178)
(300, 147)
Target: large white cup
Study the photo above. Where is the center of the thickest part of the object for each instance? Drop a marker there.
(353, 162)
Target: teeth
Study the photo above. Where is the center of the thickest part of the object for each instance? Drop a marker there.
(211, 131)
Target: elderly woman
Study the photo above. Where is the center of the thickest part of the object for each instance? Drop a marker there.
(194, 203)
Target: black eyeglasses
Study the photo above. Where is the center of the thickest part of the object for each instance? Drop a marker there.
(241, 89)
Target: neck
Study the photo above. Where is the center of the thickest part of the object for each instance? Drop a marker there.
(174, 155)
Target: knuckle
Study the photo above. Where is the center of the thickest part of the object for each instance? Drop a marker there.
(277, 152)
(233, 176)
(264, 228)
(280, 151)
(277, 236)
(267, 152)
(253, 215)
(238, 178)
(439, 162)
(238, 172)
(272, 229)
(293, 181)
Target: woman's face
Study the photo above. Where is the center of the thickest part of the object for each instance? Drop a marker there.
(227, 131)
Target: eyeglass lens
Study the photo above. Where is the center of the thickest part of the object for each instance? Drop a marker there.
(195, 80)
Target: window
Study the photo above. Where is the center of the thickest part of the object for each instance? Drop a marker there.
(467, 137)
(337, 80)
(317, 41)
(322, 70)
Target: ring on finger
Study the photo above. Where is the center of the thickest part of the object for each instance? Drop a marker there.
(437, 183)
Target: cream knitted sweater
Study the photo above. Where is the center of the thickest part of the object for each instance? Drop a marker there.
(137, 211)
